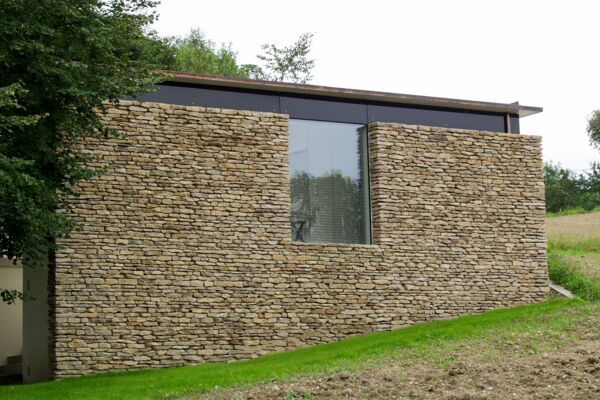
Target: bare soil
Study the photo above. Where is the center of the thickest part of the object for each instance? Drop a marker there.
(528, 366)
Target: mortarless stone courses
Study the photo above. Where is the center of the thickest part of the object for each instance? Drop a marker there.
(185, 255)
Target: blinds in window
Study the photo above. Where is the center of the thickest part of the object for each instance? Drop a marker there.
(329, 182)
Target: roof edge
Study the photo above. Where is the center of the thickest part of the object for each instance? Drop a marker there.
(355, 94)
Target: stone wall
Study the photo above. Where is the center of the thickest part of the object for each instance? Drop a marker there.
(185, 255)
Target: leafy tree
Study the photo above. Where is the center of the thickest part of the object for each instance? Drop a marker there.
(562, 187)
(593, 129)
(290, 63)
(59, 61)
(566, 189)
(196, 53)
(593, 178)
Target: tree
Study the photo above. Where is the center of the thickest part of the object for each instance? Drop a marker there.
(567, 190)
(289, 63)
(196, 53)
(562, 187)
(593, 129)
(59, 61)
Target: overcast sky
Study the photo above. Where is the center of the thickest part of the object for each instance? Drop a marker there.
(540, 53)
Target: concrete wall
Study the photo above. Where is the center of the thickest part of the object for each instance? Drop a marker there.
(11, 316)
(185, 255)
(36, 326)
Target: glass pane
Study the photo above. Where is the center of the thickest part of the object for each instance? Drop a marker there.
(329, 182)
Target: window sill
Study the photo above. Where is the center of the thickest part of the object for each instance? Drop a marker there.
(332, 245)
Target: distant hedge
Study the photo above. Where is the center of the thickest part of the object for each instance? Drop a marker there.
(567, 190)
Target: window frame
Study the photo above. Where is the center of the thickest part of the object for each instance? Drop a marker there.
(366, 193)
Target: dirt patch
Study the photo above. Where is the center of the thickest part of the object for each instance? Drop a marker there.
(507, 369)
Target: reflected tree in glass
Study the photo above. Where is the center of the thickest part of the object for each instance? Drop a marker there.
(329, 182)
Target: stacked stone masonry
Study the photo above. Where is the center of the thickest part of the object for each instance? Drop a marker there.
(185, 255)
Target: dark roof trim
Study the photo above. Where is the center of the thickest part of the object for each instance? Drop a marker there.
(367, 95)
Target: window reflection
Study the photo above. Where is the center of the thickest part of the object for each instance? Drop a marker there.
(329, 182)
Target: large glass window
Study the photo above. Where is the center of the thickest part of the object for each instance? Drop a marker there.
(329, 178)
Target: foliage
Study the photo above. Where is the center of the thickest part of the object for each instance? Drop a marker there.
(59, 60)
(196, 53)
(562, 187)
(571, 278)
(593, 129)
(571, 211)
(293, 395)
(9, 296)
(567, 190)
(433, 339)
(290, 63)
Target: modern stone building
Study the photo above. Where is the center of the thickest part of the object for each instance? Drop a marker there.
(241, 217)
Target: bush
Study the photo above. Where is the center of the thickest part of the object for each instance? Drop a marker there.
(566, 190)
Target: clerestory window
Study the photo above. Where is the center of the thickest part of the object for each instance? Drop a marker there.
(329, 178)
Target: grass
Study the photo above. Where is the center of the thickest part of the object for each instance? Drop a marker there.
(423, 338)
(574, 254)
(571, 277)
(574, 245)
(571, 211)
(572, 228)
(574, 250)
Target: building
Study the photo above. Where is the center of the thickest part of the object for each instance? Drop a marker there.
(241, 217)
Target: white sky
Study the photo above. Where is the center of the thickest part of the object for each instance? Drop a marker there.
(540, 53)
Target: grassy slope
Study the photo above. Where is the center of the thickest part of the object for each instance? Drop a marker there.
(573, 277)
(171, 382)
(574, 253)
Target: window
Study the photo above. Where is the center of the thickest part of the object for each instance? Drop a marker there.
(329, 179)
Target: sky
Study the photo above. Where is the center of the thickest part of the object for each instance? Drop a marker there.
(540, 53)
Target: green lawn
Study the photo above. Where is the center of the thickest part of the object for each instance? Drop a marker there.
(423, 338)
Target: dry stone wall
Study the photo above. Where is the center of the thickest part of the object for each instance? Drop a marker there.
(185, 255)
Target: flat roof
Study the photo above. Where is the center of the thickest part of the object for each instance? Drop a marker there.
(354, 94)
